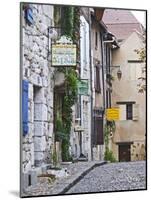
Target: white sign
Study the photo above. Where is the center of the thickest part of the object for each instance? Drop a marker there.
(63, 55)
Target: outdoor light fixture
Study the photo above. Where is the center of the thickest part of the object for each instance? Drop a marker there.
(53, 33)
(119, 74)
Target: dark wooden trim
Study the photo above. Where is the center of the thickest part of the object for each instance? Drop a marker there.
(124, 143)
(135, 61)
(125, 102)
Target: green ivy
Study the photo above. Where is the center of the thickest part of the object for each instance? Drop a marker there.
(67, 21)
(109, 127)
(60, 131)
(109, 155)
(70, 22)
(68, 101)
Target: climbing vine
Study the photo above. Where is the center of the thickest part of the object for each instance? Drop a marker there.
(109, 127)
(70, 27)
(69, 100)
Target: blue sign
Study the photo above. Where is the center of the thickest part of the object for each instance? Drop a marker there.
(25, 106)
(29, 15)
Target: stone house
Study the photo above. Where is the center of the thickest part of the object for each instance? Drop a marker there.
(101, 44)
(37, 91)
(128, 141)
(42, 91)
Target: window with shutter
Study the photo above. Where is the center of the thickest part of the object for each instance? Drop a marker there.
(122, 112)
(98, 138)
(97, 79)
(96, 40)
(135, 112)
(25, 106)
(99, 125)
(129, 112)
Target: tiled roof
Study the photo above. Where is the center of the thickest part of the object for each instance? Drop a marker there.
(122, 31)
(116, 16)
(121, 23)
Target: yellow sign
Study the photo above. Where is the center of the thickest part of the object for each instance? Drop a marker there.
(112, 114)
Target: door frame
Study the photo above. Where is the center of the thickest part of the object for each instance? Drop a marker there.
(129, 148)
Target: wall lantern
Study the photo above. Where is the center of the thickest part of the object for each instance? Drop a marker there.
(119, 74)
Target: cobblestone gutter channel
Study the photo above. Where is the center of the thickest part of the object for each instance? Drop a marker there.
(76, 172)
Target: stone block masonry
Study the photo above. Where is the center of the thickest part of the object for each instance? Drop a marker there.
(37, 144)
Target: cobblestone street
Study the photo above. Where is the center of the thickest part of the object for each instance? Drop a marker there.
(112, 177)
(87, 177)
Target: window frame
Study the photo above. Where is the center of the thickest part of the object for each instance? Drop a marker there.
(129, 111)
(96, 40)
(97, 79)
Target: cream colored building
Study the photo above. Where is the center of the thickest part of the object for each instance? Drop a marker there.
(128, 141)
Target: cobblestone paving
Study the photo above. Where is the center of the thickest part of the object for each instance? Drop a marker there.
(44, 187)
(113, 177)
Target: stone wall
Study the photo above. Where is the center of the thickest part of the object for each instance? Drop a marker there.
(36, 145)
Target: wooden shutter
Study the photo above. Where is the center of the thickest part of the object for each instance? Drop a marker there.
(25, 106)
(99, 124)
(97, 81)
(129, 111)
(135, 112)
(98, 138)
(122, 112)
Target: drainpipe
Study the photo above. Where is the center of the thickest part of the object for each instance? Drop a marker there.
(91, 84)
(105, 42)
(109, 41)
(102, 57)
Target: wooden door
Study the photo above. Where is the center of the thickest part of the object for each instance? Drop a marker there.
(124, 152)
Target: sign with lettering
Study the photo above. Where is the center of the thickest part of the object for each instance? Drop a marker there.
(83, 87)
(63, 55)
(112, 114)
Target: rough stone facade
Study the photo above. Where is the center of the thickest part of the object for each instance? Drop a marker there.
(36, 69)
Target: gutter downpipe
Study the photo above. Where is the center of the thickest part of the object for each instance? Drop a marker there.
(91, 83)
(109, 41)
(102, 57)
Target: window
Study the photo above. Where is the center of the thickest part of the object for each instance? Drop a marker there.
(96, 40)
(108, 99)
(97, 79)
(135, 71)
(129, 111)
(98, 127)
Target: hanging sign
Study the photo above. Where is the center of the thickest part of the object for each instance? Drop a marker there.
(64, 53)
(112, 114)
(83, 87)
